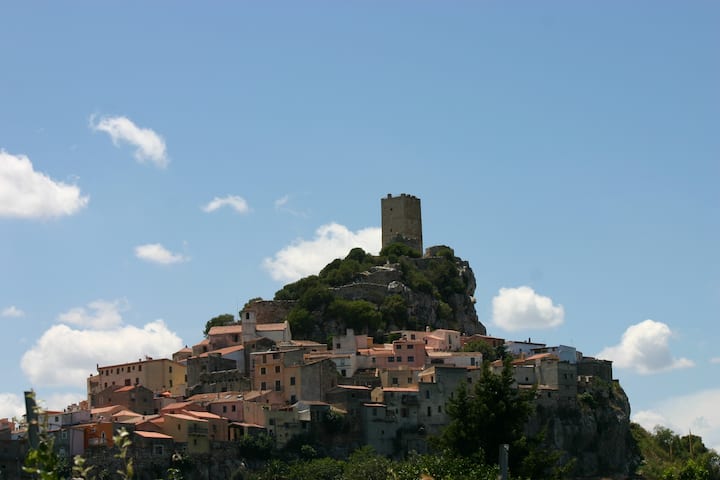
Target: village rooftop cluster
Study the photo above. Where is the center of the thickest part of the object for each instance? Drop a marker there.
(248, 377)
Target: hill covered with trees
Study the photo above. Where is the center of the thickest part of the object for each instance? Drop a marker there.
(395, 290)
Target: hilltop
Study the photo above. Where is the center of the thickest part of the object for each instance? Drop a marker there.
(396, 290)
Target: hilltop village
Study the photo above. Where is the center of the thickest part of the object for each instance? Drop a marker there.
(255, 375)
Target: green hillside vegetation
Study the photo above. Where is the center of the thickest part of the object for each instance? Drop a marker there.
(317, 304)
(668, 456)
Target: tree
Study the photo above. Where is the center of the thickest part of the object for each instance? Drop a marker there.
(219, 321)
(493, 413)
(489, 354)
(360, 315)
(397, 250)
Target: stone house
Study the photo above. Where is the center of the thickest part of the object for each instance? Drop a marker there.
(133, 397)
(158, 375)
(188, 430)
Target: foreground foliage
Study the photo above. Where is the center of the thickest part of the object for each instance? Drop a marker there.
(668, 456)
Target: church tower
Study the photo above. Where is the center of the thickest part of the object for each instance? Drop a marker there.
(402, 221)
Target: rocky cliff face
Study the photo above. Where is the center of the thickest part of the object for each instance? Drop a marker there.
(595, 430)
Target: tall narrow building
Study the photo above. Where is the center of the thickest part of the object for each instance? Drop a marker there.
(402, 221)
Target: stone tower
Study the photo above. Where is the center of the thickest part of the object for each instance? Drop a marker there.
(401, 221)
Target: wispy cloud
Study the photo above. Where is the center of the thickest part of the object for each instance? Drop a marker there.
(149, 146)
(26, 193)
(12, 311)
(645, 348)
(307, 257)
(695, 412)
(233, 201)
(282, 205)
(98, 314)
(521, 308)
(281, 202)
(156, 253)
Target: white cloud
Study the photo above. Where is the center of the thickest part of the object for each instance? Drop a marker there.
(281, 205)
(715, 360)
(12, 311)
(149, 146)
(25, 193)
(65, 357)
(233, 201)
(156, 253)
(59, 401)
(644, 347)
(521, 308)
(104, 315)
(696, 412)
(308, 257)
(282, 201)
(11, 405)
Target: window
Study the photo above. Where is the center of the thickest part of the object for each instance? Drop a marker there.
(429, 411)
(277, 385)
(337, 345)
(394, 380)
(263, 386)
(263, 371)
(170, 369)
(427, 393)
(439, 408)
(224, 408)
(276, 356)
(127, 382)
(399, 359)
(412, 336)
(373, 359)
(158, 450)
(277, 369)
(137, 381)
(410, 347)
(117, 371)
(292, 380)
(398, 347)
(343, 372)
(391, 359)
(171, 383)
(411, 358)
(139, 368)
(293, 399)
(232, 408)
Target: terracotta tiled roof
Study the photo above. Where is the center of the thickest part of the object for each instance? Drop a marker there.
(270, 327)
(146, 434)
(223, 351)
(206, 415)
(184, 417)
(124, 389)
(225, 329)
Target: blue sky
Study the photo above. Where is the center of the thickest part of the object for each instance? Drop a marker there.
(164, 162)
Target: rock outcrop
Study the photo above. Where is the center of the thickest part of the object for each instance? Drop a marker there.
(594, 431)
